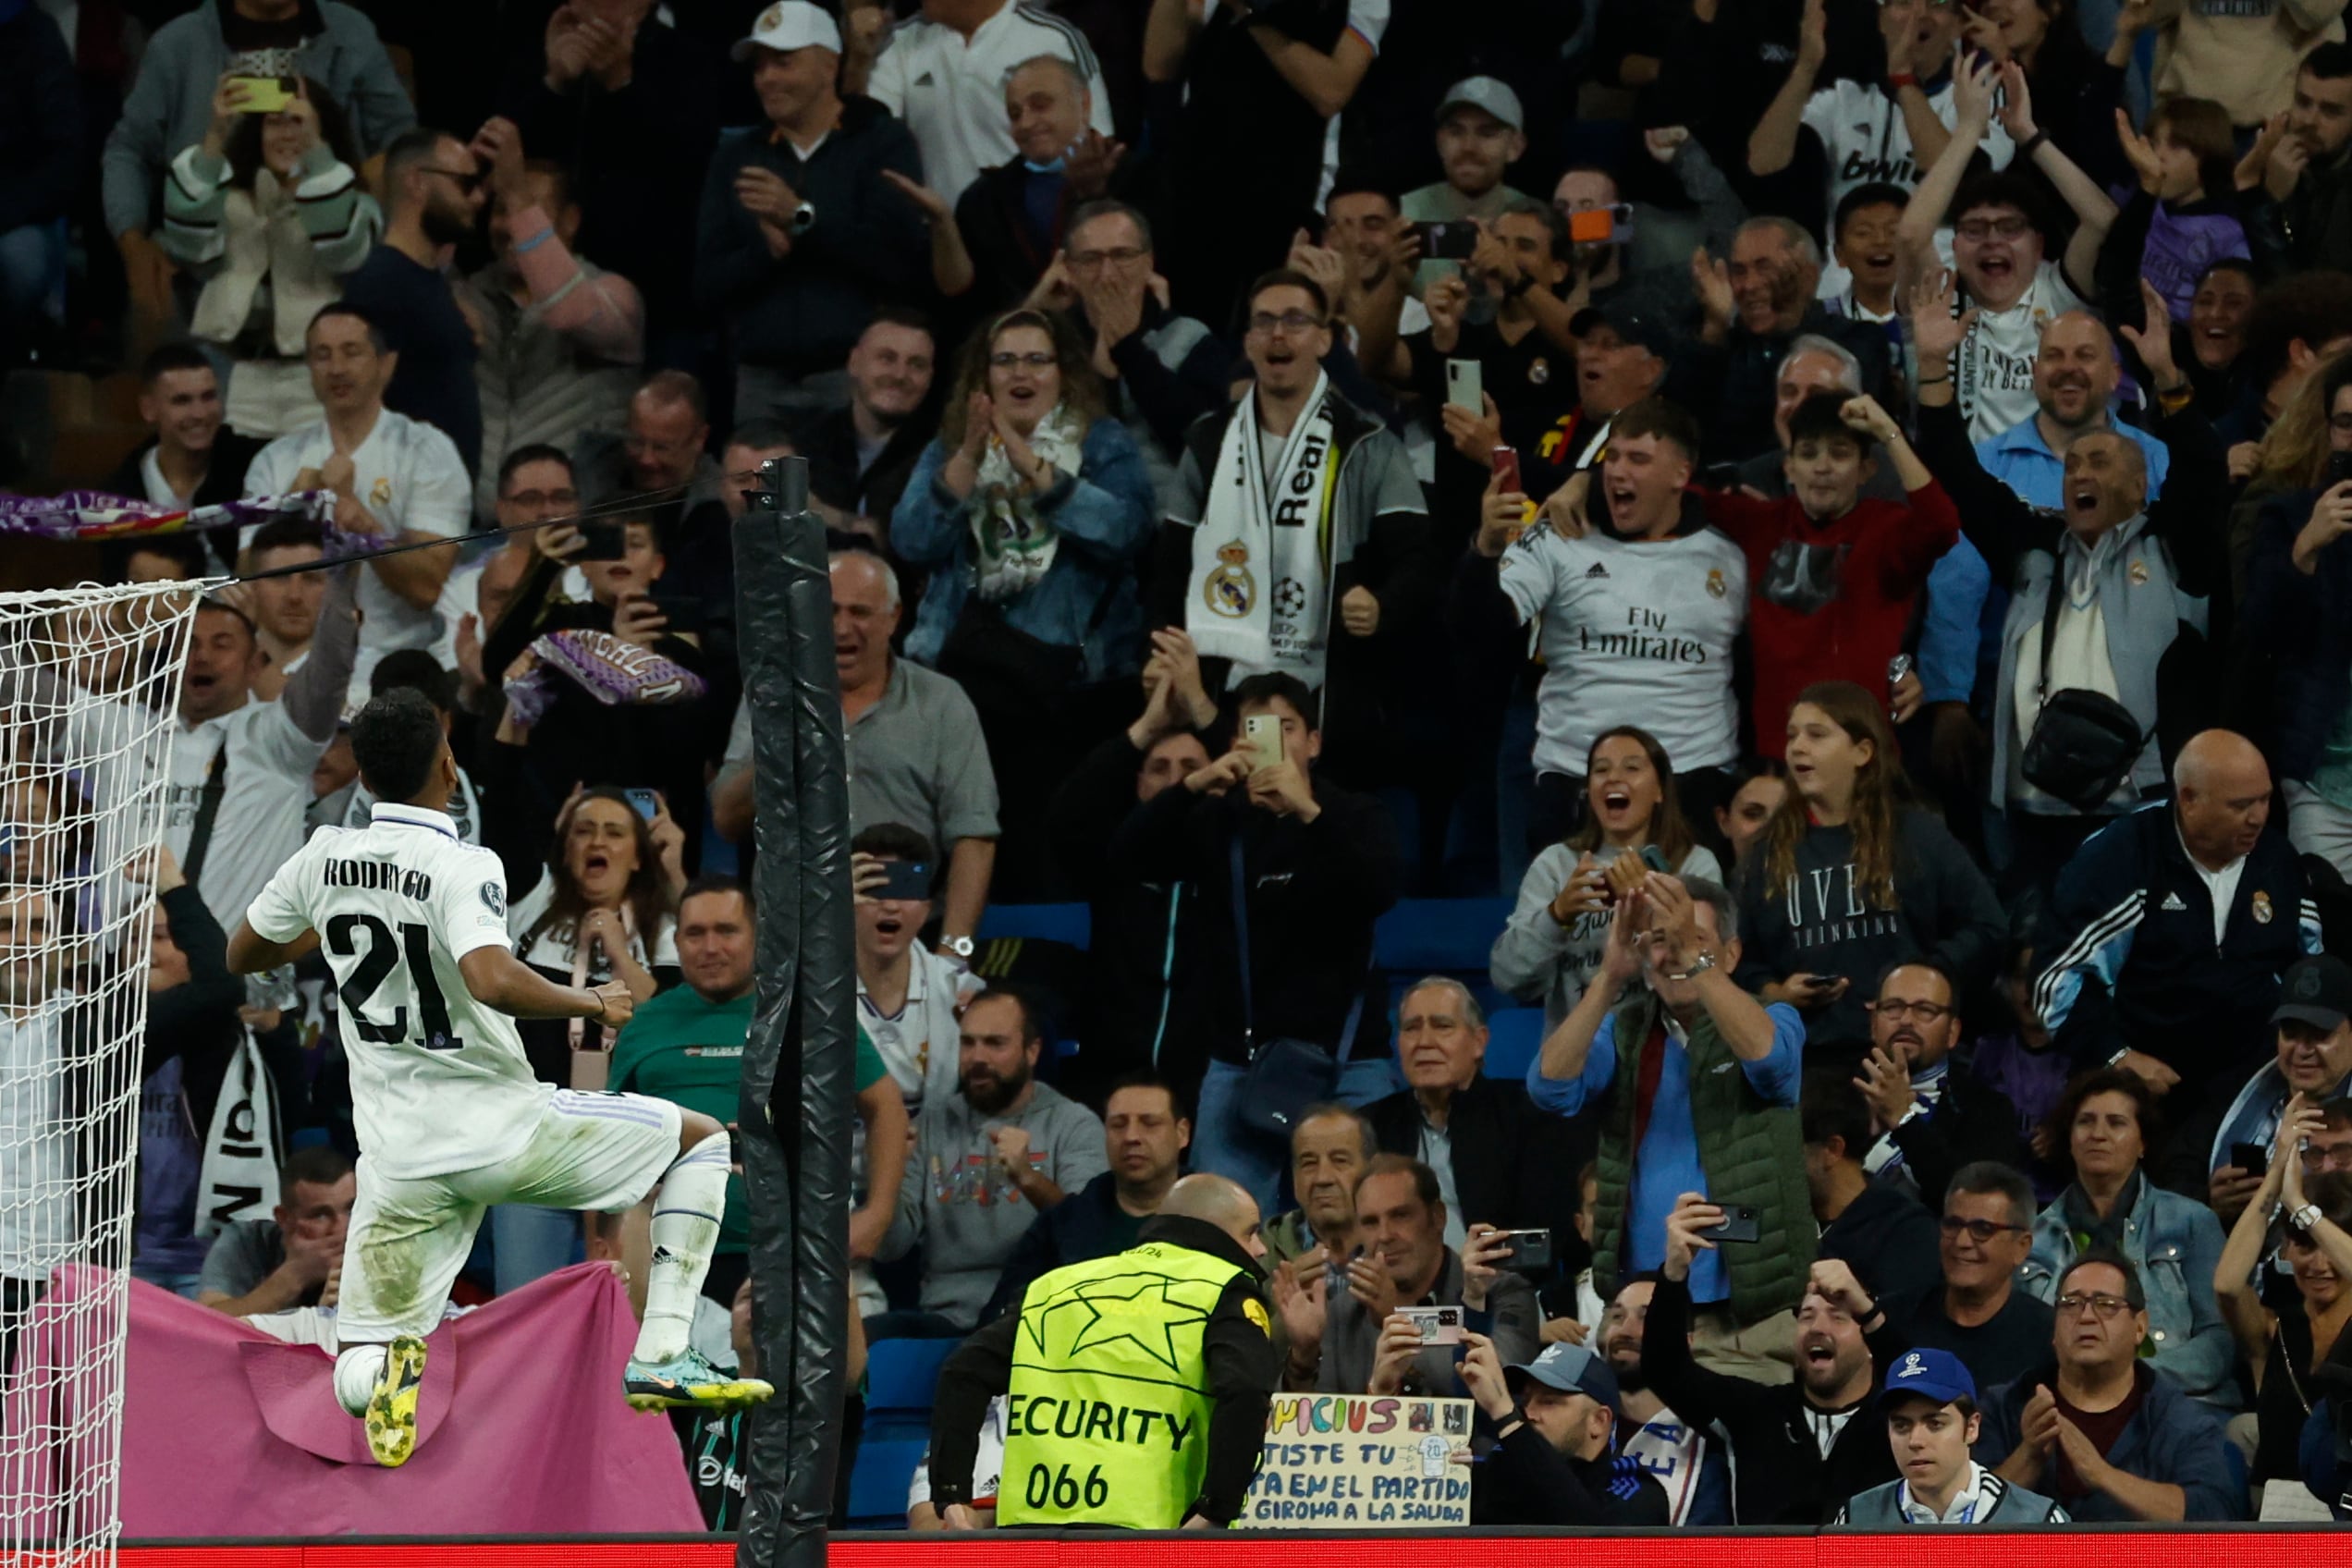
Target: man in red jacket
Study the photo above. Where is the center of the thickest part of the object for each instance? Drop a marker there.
(1833, 575)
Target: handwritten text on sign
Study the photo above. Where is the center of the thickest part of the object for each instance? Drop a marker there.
(1336, 1460)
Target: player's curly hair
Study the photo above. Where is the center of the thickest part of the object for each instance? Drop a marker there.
(395, 741)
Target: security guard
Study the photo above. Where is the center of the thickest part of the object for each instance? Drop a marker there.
(1136, 1385)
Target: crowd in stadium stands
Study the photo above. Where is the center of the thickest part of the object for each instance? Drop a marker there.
(1815, 532)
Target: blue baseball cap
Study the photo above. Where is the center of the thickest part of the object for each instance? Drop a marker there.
(1572, 1369)
(1935, 1374)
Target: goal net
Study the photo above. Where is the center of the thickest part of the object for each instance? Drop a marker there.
(89, 683)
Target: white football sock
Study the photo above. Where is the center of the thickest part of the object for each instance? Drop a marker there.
(356, 1370)
(686, 1216)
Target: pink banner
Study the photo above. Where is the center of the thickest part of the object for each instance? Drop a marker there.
(522, 1430)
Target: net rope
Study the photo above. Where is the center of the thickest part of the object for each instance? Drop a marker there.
(89, 687)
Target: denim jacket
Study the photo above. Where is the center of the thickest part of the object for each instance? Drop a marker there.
(2175, 1243)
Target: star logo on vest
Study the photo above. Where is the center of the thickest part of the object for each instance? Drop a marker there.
(1231, 591)
(2262, 910)
(2173, 905)
(1135, 1307)
(1596, 573)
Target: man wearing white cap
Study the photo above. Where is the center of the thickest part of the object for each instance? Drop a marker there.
(943, 72)
(800, 234)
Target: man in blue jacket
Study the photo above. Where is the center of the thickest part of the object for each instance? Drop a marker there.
(2168, 933)
(2112, 1438)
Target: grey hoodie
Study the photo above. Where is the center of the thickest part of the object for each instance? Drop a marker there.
(1536, 958)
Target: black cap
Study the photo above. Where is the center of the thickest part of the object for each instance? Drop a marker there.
(1631, 325)
(2317, 991)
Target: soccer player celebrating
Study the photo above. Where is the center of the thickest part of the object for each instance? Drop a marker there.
(450, 1117)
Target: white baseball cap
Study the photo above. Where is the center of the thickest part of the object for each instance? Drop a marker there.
(789, 25)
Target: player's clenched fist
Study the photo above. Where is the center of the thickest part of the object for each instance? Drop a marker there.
(614, 1004)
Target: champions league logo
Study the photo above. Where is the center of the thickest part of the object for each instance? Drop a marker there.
(1289, 597)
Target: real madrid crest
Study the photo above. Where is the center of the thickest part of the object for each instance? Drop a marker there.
(380, 493)
(1716, 587)
(1231, 591)
(2137, 572)
(1539, 371)
(2262, 912)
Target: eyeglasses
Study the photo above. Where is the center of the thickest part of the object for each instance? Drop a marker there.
(1034, 359)
(1265, 322)
(1119, 257)
(2340, 421)
(2327, 1156)
(1980, 1231)
(469, 180)
(2108, 1307)
(1926, 1012)
(1980, 229)
(535, 498)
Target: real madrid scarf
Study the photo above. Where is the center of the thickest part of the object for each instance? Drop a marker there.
(238, 1177)
(1261, 588)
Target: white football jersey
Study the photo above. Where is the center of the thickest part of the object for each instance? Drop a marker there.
(439, 1082)
(1631, 633)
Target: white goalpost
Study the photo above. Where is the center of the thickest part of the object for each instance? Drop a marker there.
(90, 681)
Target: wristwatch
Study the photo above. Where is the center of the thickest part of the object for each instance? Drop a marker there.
(961, 947)
(1698, 966)
(804, 218)
(2305, 1217)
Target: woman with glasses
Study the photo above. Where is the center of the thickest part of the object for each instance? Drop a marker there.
(2299, 575)
(2100, 1131)
(1029, 513)
(2285, 1349)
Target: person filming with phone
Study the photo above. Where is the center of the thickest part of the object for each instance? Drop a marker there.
(1292, 871)
(1696, 1082)
(1802, 1444)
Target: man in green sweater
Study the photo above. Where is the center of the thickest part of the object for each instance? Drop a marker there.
(687, 1046)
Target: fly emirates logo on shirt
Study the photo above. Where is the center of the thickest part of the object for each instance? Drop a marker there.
(1647, 633)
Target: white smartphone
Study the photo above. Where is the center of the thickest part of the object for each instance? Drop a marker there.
(1263, 733)
(1464, 388)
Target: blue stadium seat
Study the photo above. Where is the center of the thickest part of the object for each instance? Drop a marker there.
(878, 1485)
(1052, 922)
(1515, 1035)
(1438, 935)
(900, 1374)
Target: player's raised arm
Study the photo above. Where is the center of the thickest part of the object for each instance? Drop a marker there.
(496, 978)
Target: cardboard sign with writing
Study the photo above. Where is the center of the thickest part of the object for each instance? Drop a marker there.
(1334, 1460)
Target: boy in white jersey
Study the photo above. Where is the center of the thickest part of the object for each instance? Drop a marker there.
(1633, 616)
(450, 1115)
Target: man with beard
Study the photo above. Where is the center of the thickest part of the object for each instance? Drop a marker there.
(859, 456)
(1930, 1119)
(432, 199)
(2074, 376)
(560, 338)
(1146, 1134)
(1798, 1448)
(988, 1159)
(1755, 305)
(1481, 132)
(2304, 221)
(1687, 1461)
(1601, 272)
(1554, 1462)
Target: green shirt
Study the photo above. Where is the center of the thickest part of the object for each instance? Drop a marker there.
(684, 1047)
